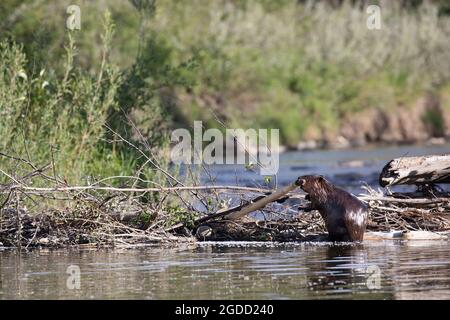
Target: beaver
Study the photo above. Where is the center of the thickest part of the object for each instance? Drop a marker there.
(345, 215)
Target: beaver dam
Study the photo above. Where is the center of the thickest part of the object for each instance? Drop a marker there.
(40, 209)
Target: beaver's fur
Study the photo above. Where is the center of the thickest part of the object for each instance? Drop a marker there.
(345, 215)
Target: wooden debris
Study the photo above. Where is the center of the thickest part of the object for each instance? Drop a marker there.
(416, 170)
(102, 214)
(240, 211)
(262, 202)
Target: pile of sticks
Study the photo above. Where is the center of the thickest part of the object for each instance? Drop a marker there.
(387, 213)
(105, 215)
(39, 208)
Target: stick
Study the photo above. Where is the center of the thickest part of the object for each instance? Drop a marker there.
(262, 202)
(212, 216)
(168, 189)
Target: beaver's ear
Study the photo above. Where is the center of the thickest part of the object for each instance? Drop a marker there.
(321, 179)
(300, 182)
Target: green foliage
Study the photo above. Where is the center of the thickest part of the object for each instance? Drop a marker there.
(435, 121)
(246, 60)
(297, 66)
(61, 118)
(56, 99)
(261, 64)
(177, 214)
(142, 220)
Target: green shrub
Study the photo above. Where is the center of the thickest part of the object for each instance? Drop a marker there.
(45, 116)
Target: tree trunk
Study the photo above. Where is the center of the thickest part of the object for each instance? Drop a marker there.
(416, 170)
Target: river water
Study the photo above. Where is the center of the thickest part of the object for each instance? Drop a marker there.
(385, 270)
(242, 270)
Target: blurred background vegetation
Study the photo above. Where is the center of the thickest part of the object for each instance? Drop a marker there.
(310, 68)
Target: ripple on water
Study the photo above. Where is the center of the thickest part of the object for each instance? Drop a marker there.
(234, 270)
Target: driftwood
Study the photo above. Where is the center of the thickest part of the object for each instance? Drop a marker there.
(416, 170)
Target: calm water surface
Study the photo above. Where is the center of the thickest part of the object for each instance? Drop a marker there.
(414, 270)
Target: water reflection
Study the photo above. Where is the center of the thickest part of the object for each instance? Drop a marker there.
(235, 271)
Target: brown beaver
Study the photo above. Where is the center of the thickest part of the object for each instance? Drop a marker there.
(345, 215)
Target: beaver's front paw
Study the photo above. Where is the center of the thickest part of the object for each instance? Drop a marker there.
(305, 209)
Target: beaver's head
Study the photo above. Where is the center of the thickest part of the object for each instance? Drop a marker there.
(316, 186)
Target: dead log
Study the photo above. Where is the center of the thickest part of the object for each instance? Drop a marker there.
(416, 170)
